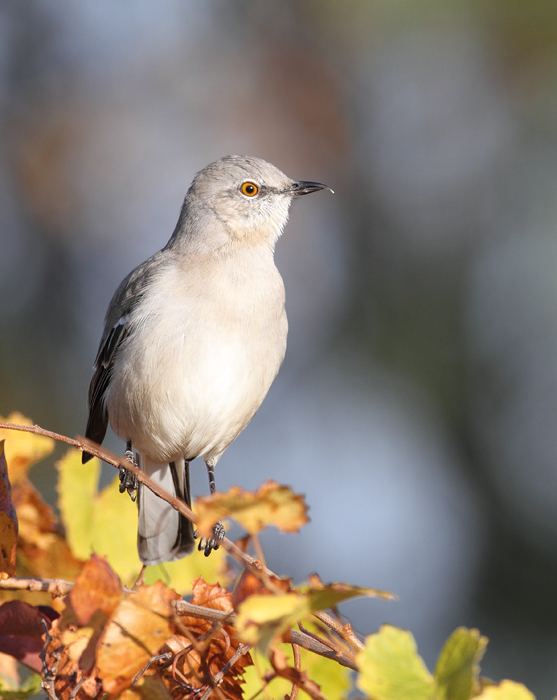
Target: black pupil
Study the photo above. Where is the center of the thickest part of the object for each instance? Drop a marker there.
(250, 189)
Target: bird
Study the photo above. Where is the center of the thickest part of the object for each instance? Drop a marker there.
(193, 339)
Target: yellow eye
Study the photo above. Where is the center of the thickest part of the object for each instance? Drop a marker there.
(250, 189)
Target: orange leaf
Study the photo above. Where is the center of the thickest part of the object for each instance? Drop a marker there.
(271, 504)
(8, 521)
(138, 629)
(42, 549)
(96, 588)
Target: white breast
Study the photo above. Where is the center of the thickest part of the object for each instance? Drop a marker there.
(207, 342)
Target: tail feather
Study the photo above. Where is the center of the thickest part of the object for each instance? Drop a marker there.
(164, 534)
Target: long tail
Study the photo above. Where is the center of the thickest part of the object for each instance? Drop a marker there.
(163, 534)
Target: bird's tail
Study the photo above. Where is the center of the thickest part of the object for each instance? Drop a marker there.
(164, 534)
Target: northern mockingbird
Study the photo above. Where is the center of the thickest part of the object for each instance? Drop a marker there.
(194, 338)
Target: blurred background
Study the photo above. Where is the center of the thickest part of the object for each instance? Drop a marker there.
(417, 406)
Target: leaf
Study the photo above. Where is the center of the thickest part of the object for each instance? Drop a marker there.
(42, 549)
(106, 523)
(215, 647)
(96, 588)
(148, 688)
(390, 668)
(457, 669)
(249, 585)
(22, 632)
(138, 629)
(271, 504)
(262, 619)
(77, 488)
(23, 449)
(334, 679)
(322, 597)
(281, 668)
(30, 687)
(506, 690)
(8, 521)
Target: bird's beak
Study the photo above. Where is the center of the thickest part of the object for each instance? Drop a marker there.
(300, 187)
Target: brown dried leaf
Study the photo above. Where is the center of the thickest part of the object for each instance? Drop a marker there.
(202, 650)
(249, 585)
(23, 449)
(138, 629)
(8, 521)
(271, 504)
(63, 654)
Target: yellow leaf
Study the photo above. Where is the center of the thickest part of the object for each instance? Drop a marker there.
(334, 679)
(77, 490)
(506, 690)
(390, 668)
(8, 521)
(106, 523)
(23, 449)
(263, 618)
(179, 575)
(271, 504)
(457, 669)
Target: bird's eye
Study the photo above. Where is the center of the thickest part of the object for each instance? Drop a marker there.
(250, 189)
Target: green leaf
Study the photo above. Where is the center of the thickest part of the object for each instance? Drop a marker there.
(458, 668)
(322, 597)
(31, 686)
(506, 690)
(390, 668)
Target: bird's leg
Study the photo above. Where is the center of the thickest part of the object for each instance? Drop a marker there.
(218, 530)
(128, 481)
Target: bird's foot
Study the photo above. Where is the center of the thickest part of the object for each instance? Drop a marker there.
(128, 480)
(207, 545)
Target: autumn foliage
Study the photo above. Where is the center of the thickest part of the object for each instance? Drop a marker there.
(79, 618)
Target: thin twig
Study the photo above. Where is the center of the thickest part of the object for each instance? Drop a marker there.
(298, 667)
(56, 586)
(343, 631)
(308, 641)
(167, 655)
(49, 674)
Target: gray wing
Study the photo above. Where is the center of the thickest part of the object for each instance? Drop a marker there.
(116, 329)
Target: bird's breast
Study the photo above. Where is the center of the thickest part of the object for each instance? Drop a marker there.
(200, 360)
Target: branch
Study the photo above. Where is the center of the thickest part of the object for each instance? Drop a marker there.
(92, 448)
(310, 642)
(56, 586)
(257, 569)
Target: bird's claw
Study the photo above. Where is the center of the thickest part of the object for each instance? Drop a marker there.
(207, 545)
(128, 480)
